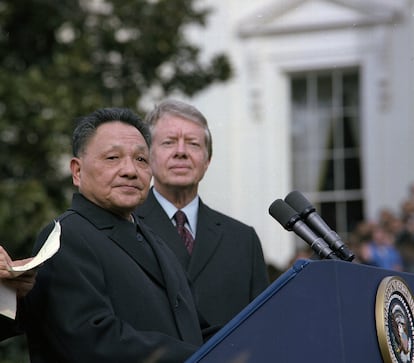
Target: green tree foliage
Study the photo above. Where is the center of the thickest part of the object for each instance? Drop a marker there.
(63, 58)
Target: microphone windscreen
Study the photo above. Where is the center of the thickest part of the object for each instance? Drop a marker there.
(282, 212)
(298, 201)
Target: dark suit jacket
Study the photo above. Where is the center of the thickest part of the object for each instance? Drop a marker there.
(104, 297)
(8, 328)
(226, 268)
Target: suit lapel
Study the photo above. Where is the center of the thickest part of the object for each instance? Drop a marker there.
(206, 242)
(121, 232)
(173, 284)
(164, 261)
(209, 234)
(140, 249)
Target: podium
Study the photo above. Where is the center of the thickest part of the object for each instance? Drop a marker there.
(317, 311)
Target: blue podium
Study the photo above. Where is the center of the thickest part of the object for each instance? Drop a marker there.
(317, 311)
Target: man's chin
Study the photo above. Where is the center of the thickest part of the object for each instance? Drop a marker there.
(131, 202)
(180, 181)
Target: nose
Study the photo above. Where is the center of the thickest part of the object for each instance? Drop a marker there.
(129, 168)
(181, 147)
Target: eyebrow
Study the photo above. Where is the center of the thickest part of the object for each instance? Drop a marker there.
(143, 147)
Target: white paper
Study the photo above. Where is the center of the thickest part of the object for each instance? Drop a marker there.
(49, 248)
(8, 303)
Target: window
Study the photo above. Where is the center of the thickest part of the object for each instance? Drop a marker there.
(326, 160)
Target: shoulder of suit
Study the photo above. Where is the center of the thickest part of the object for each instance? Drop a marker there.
(148, 204)
(222, 218)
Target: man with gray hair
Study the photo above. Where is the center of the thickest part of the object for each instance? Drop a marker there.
(222, 256)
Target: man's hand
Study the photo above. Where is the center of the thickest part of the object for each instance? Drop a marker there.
(23, 283)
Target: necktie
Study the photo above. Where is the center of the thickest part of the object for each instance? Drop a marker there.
(184, 233)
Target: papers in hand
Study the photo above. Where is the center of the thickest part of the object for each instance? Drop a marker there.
(49, 248)
(8, 303)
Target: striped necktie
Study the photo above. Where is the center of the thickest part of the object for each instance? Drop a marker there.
(181, 219)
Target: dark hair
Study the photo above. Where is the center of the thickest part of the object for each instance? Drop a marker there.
(86, 126)
(180, 109)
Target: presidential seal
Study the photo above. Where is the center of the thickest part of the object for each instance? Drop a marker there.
(394, 309)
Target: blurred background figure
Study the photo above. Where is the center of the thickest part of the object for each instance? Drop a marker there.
(380, 250)
(405, 243)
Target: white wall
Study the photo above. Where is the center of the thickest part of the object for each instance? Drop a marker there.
(249, 116)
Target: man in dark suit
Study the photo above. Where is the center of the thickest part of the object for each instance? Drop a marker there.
(225, 265)
(113, 292)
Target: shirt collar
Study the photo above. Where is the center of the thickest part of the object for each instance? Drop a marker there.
(191, 210)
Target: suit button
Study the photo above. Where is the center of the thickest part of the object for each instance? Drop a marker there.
(140, 237)
(177, 302)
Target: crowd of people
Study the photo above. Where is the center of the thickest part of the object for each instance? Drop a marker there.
(387, 242)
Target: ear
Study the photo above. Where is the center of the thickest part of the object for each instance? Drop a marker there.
(75, 168)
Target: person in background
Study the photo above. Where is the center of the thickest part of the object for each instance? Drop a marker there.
(114, 292)
(380, 250)
(22, 284)
(222, 256)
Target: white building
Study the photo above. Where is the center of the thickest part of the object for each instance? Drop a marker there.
(321, 101)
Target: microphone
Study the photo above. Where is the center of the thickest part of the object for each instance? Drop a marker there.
(291, 221)
(308, 213)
